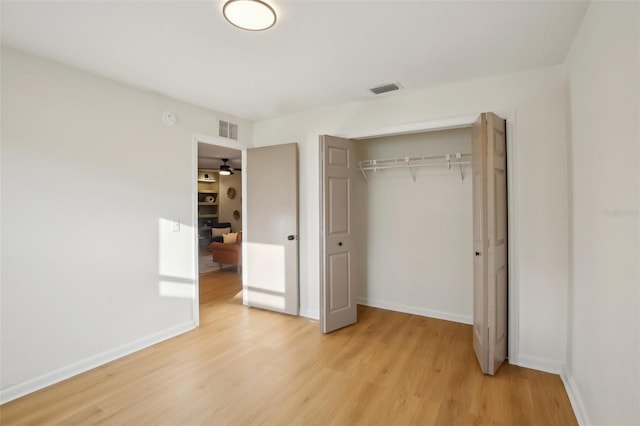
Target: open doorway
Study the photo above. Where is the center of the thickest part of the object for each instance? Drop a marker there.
(264, 267)
(219, 205)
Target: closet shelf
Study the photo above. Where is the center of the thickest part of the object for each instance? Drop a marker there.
(411, 163)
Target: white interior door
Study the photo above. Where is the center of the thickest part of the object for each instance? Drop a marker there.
(489, 242)
(272, 228)
(338, 284)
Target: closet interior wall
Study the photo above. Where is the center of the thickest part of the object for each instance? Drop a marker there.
(416, 238)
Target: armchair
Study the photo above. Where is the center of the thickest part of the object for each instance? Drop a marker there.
(227, 254)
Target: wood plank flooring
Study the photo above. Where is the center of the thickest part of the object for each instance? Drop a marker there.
(248, 366)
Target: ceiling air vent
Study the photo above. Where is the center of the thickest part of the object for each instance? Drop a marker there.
(227, 130)
(390, 87)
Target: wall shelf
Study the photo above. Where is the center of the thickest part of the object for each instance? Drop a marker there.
(207, 175)
(412, 163)
(208, 212)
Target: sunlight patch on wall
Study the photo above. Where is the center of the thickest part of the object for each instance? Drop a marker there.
(175, 259)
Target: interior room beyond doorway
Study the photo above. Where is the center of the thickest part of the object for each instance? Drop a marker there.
(219, 202)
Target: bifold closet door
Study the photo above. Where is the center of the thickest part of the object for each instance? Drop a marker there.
(272, 228)
(490, 279)
(338, 306)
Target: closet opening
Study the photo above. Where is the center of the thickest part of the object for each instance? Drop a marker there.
(415, 223)
(418, 221)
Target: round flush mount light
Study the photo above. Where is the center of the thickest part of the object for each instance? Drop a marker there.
(251, 15)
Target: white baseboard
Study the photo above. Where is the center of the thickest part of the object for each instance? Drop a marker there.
(48, 379)
(567, 380)
(536, 363)
(307, 313)
(464, 319)
(577, 403)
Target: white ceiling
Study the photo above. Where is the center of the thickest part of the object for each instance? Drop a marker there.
(210, 156)
(319, 53)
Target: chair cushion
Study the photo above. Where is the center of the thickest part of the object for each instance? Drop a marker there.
(230, 238)
(217, 232)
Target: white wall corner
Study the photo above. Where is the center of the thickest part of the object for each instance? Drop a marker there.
(537, 363)
(575, 398)
(56, 376)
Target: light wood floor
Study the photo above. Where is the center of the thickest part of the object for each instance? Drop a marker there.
(247, 366)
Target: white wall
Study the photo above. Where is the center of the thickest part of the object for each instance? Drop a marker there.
(228, 205)
(91, 180)
(537, 97)
(415, 237)
(603, 74)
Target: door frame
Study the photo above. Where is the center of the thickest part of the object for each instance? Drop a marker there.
(512, 191)
(226, 143)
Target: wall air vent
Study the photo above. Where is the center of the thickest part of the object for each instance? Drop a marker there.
(390, 87)
(227, 130)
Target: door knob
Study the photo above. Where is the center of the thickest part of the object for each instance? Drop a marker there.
(477, 253)
(291, 237)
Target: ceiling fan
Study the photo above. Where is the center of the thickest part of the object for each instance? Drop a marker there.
(225, 169)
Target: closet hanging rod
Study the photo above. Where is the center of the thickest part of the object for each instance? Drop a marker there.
(404, 160)
(409, 166)
(457, 159)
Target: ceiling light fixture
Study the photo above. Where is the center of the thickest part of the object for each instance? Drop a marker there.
(251, 15)
(225, 169)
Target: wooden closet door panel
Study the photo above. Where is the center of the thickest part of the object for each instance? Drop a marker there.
(338, 306)
(497, 235)
(490, 284)
(478, 168)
